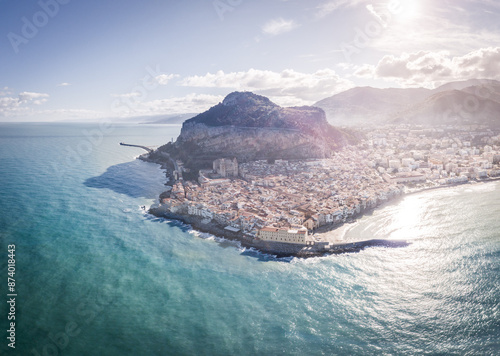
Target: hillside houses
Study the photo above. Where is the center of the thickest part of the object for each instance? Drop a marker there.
(314, 193)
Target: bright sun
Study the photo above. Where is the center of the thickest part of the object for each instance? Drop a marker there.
(408, 10)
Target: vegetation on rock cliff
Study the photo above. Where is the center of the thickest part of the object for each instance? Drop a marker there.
(250, 127)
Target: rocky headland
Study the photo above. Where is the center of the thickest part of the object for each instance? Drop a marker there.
(250, 170)
(250, 127)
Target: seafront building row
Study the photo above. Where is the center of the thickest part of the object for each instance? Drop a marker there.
(283, 201)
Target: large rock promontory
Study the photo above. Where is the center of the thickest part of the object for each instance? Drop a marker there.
(251, 127)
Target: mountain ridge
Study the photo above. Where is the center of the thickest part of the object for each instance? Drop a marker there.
(367, 105)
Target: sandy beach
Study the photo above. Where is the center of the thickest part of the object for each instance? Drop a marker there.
(336, 235)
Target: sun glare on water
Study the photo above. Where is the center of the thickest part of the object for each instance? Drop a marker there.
(407, 220)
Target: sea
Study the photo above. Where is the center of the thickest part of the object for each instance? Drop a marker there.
(96, 275)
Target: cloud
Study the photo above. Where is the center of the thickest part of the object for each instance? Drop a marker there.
(11, 105)
(141, 91)
(36, 98)
(430, 69)
(330, 6)
(431, 28)
(63, 84)
(374, 12)
(127, 95)
(286, 88)
(5, 91)
(8, 105)
(278, 26)
(301, 88)
(125, 107)
(163, 79)
(364, 71)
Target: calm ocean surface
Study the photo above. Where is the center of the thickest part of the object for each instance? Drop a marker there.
(97, 276)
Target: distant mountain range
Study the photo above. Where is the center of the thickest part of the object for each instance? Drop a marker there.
(475, 101)
(172, 119)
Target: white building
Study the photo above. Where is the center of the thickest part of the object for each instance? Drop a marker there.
(298, 236)
(394, 163)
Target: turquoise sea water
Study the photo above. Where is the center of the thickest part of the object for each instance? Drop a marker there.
(95, 275)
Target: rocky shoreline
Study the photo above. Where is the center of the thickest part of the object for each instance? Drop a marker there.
(270, 247)
(320, 248)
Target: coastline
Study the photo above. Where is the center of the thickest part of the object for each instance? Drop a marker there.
(335, 245)
(275, 248)
(487, 180)
(338, 231)
(330, 239)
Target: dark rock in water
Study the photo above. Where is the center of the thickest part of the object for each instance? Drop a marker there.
(165, 194)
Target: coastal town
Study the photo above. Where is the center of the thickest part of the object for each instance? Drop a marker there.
(287, 201)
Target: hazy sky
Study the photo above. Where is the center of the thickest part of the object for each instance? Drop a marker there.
(75, 59)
